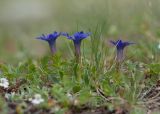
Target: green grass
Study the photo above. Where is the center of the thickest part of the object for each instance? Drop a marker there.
(94, 81)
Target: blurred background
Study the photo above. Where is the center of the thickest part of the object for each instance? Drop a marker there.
(21, 21)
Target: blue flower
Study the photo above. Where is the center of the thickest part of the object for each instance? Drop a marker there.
(51, 39)
(120, 45)
(77, 38)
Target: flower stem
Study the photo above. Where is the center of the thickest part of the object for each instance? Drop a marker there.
(53, 47)
(119, 57)
(77, 51)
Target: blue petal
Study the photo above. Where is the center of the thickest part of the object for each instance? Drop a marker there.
(127, 43)
(77, 36)
(43, 37)
(80, 35)
(113, 42)
(56, 34)
(120, 44)
(67, 35)
(49, 37)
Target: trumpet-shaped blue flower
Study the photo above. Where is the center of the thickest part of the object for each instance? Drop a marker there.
(77, 38)
(120, 45)
(51, 39)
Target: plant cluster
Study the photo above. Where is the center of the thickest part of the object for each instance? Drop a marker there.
(53, 84)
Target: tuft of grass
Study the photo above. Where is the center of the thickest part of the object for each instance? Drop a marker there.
(94, 82)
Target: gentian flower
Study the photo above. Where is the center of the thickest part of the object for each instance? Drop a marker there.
(120, 45)
(51, 39)
(77, 38)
